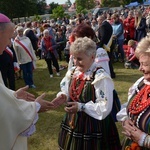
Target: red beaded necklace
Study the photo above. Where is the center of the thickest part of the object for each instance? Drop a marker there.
(141, 100)
(76, 87)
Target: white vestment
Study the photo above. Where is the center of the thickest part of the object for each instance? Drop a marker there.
(16, 116)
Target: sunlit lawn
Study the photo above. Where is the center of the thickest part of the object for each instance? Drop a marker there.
(48, 124)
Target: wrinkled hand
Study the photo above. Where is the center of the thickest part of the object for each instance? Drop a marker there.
(23, 94)
(59, 100)
(72, 107)
(128, 127)
(45, 105)
(136, 135)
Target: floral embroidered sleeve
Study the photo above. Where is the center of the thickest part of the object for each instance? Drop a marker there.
(104, 87)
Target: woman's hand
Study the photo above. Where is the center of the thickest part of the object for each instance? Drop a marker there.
(45, 105)
(128, 126)
(131, 131)
(59, 100)
(136, 135)
(72, 107)
(23, 94)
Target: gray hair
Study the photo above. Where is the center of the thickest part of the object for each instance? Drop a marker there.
(85, 45)
(20, 28)
(45, 31)
(143, 47)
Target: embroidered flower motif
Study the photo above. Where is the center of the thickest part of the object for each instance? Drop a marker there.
(102, 94)
(99, 71)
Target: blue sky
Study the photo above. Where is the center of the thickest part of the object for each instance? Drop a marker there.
(58, 1)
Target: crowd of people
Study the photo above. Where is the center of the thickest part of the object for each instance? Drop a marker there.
(121, 27)
(90, 46)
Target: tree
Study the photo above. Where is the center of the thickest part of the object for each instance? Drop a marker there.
(90, 4)
(58, 12)
(84, 4)
(21, 8)
(52, 6)
(12, 8)
(68, 3)
(114, 3)
(41, 5)
(125, 2)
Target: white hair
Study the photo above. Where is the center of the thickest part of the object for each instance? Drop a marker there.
(45, 31)
(19, 28)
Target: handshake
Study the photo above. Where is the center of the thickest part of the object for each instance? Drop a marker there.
(58, 101)
(44, 104)
(55, 103)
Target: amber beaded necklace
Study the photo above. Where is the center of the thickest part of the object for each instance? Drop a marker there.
(141, 100)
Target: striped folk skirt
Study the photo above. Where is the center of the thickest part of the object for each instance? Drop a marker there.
(82, 132)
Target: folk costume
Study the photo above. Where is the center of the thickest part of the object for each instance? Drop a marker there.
(138, 111)
(92, 127)
(102, 59)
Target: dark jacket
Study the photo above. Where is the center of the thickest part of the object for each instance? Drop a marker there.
(47, 52)
(140, 32)
(104, 33)
(34, 40)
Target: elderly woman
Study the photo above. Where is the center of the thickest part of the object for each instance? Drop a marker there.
(87, 123)
(101, 59)
(48, 46)
(135, 116)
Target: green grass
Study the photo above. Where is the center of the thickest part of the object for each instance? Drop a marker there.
(48, 124)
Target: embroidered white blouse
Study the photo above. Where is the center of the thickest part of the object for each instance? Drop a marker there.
(103, 85)
(122, 114)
